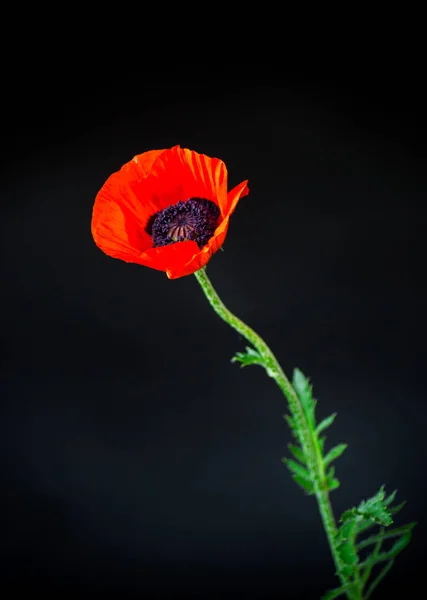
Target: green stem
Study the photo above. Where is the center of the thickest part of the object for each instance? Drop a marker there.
(308, 442)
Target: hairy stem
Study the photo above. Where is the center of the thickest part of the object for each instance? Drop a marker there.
(309, 443)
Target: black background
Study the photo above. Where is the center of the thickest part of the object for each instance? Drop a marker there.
(136, 459)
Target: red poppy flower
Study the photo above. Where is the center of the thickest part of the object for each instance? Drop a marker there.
(166, 209)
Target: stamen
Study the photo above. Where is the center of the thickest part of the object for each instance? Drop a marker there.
(195, 219)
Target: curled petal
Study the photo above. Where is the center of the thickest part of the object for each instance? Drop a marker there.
(234, 196)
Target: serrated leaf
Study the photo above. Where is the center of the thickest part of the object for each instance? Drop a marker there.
(307, 486)
(297, 469)
(325, 423)
(304, 393)
(375, 509)
(346, 571)
(334, 453)
(345, 543)
(290, 421)
(297, 453)
(370, 511)
(348, 515)
(348, 554)
(346, 531)
(378, 497)
(249, 357)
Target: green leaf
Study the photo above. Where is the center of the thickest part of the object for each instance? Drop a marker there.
(307, 486)
(385, 535)
(322, 444)
(297, 469)
(348, 554)
(289, 420)
(249, 357)
(349, 515)
(399, 545)
(336, 593)
(365, 573)
(376, 557)
(304, 393)
(389, 500)
(325, 423)
(334, 453)
(395, 509)
(364, 524)
(300, 475)
(370, 511)
(346, 531)
(297, 453)
(345, 543)
(330, 474)
(375, 509)
(346, 571)
(378, 579)
(332, 483)
(294, 429)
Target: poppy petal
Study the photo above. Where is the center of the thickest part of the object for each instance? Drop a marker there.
(173, 258)
(201, 257)
(121, 212)
(149, 183)
(234, 196)
(198, 261)
(219, 236)
(141, 163)
(180, 174)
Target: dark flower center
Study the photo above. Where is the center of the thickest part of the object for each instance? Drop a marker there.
(196, 220)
